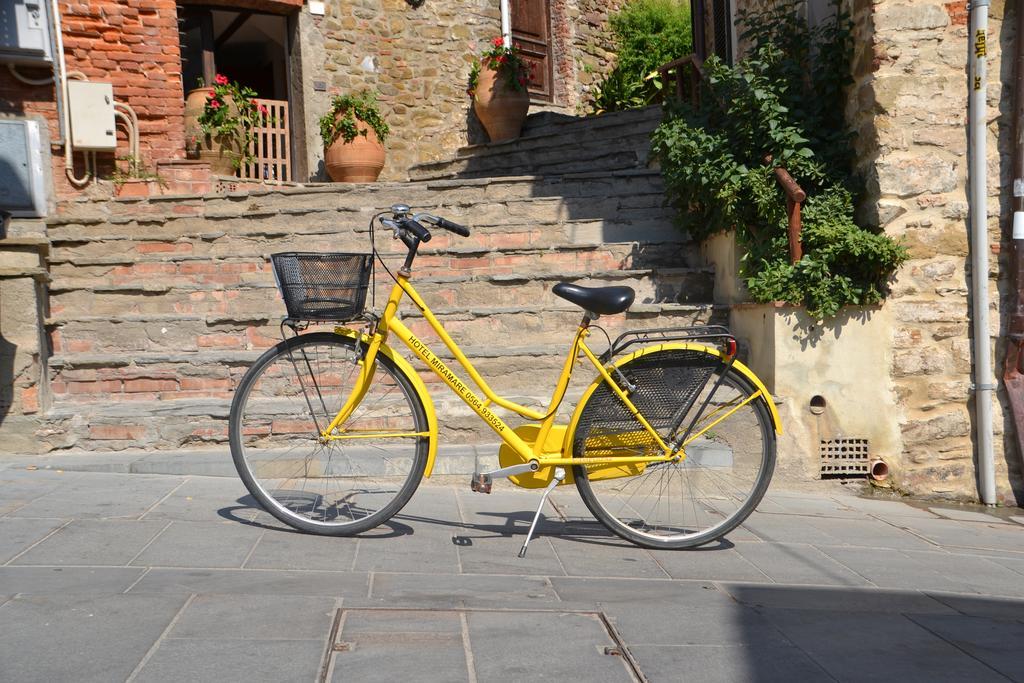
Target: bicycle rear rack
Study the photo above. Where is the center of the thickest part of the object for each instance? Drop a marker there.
(718, 334)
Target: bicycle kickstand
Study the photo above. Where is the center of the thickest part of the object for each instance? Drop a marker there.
(555, 481)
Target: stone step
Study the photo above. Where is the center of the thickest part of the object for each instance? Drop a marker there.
(237, 330)
(553, 144)
(652, 285)
(282, 211)
(191, 423)
(170, 376)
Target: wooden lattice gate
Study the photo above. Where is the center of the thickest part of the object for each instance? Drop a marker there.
(271, 146)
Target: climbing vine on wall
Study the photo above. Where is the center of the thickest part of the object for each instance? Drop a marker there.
(784, 100)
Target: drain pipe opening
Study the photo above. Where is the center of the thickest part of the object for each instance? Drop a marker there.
(879, 470)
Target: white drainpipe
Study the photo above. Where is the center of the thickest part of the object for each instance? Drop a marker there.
(984, 380)
(506, 23)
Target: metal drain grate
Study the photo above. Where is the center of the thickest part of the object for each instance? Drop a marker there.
(844, 458)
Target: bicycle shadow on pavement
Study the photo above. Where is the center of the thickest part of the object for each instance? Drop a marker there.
(249, 513)
(507, 525)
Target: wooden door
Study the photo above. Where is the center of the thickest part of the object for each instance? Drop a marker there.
(531, 33)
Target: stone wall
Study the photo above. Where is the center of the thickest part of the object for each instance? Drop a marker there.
(419, 59)
(909, 106)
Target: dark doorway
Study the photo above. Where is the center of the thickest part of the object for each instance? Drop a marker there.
(531, 33)
(251, 48)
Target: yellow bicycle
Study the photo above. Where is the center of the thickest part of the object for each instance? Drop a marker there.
(671, 446)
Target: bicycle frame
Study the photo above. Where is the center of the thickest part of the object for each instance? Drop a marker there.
(390, 324)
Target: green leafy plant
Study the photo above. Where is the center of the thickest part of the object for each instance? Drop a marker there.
(506, 61)
(647, 34)
(133, 169)
(230, 114)
(783, 102)
(340, 120)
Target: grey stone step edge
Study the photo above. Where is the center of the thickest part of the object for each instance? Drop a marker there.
(643, 309)
(64, 284)
(94, 211)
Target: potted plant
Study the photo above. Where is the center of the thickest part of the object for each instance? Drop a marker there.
(225, 124)
(354, 133)
(497, 83)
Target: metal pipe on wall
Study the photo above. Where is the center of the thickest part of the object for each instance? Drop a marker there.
(506, 22)
(1013, 366)
(984, 381)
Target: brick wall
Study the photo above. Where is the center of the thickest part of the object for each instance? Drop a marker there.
(132, 44)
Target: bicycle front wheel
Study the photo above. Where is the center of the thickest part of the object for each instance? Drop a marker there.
(728, 460)
(336, 487)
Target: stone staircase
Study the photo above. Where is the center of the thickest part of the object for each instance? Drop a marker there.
(157, 306)
(553, 144)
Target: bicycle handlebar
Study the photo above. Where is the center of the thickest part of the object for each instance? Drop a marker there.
(452, 227)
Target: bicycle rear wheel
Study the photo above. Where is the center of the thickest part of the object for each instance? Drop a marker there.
(727, 467)
(331, 487)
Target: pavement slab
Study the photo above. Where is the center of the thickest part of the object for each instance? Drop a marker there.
(996, 642)
(727, 664)
(968, 535)
(234, 660)
(87, 495)
(200, 544)
(19, 534)
(640, 593)
(897, 569)
(200, 499)
(453, 590)
(279, 549)
(252, 581)
(798, 563)
(858, 646)
(59, 637)
(712, 563)
(95, 542)
(558, 646)
(50, 580)
(608, 556)
(836, 599)
(256, 617)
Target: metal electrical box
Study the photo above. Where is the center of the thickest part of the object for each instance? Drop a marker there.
(25, 32)
(92, 116)
(22, 179)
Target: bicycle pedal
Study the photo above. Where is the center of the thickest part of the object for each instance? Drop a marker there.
(481, 482)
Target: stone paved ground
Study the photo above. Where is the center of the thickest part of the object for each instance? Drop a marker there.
(108, 576)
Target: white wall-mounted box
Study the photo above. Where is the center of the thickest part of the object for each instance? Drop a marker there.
(92, 116)
(25, 32)
(22, 177)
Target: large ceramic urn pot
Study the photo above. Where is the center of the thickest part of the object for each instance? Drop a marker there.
(501, 109)
(358, 161)
(220, 151)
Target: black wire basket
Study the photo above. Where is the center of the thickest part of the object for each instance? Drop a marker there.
(318, 286)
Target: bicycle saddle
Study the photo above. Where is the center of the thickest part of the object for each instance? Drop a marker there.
(600, 300)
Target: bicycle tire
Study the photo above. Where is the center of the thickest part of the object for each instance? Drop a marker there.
(333, 488)
(719, 482)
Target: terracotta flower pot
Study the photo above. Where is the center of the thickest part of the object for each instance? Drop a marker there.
(222, 151)
(194, 103)
(359, 161)
(500, 109)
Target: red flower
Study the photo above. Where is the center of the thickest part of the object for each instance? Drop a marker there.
(502, 59)
(214, 104)
(263, 109)
(499, 42)
(220, 79)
